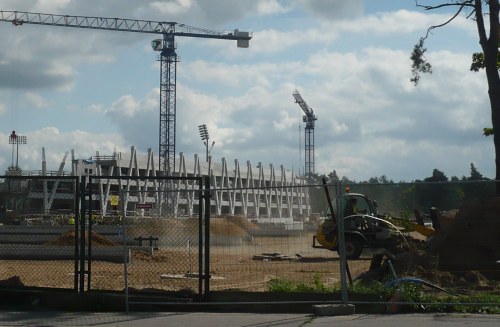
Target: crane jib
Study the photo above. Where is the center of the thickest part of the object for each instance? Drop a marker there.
(19, 18)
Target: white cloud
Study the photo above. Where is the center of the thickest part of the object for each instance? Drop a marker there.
(270, 7)
(51, 5)
(334, 9)
(137, 119)
(175, 7)
(353, 69)
(36, 100)
(56, 144)
(285, 121)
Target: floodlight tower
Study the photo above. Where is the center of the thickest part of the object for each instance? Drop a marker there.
(204, 137)
(309, 118)
(15, 140)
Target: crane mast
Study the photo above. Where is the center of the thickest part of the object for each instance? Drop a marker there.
(168, 59)
(309, 118)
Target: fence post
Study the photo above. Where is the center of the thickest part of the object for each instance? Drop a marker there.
(207, 238)
(81, 234)
(79, 199)
(343, 261)
(89, 236)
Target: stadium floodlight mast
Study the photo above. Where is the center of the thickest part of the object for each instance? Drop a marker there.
(204, 137)
(15, 140)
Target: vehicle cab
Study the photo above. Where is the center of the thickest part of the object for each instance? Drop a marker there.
(363, 204)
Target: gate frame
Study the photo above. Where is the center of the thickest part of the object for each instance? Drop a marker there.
(88, 189)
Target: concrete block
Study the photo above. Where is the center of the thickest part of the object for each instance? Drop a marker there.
(333, 309)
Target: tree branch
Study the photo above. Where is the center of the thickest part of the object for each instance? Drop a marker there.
(461, 6)
(467, 3)
(419, 63)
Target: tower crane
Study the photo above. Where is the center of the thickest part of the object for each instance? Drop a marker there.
(168, 59)
(309, 118)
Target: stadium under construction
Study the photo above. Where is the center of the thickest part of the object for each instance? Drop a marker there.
(261, 194)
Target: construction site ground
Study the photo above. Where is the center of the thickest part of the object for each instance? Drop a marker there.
(248, 267)
(245, 267)
(461, 256)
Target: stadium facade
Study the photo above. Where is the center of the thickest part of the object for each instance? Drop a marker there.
(259, 193)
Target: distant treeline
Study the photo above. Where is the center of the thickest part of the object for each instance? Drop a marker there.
(403, 197)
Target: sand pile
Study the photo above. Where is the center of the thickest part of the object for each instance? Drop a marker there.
(69, 239)
(226, 226)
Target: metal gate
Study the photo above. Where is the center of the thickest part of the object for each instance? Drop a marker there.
(145, 234)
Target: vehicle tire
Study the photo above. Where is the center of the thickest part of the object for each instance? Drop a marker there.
(353, 249)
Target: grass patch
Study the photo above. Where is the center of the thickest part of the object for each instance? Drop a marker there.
(283, 285)
(421, 301)
(418, 299)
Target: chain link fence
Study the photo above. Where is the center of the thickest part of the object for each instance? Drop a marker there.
(427, 239)
(418, 239)
(37, 231)
(149, 231)
(274, 248)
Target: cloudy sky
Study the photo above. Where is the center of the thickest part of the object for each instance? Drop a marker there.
(92, 91)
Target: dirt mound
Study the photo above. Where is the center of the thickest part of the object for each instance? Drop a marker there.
(471, 242)
(69, 239)
(244, 223)
(225, 226)
(464, 253)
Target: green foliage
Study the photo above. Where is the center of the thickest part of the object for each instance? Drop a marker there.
(437, 176)
(398, 198)
(475, 175)
(280, 285)
(417, 298)
(419, 62)
(379, 180)
(333, 177)
(373, 288)
(488, 131)
(478, 61)
(427, 302)
(283, 285)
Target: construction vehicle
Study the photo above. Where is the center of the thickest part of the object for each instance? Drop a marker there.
(363, 227)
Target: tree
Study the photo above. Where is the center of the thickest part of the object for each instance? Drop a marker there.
(475, 175)
(477, 10)
(434, 191)
(437, 176)
(333, 177)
